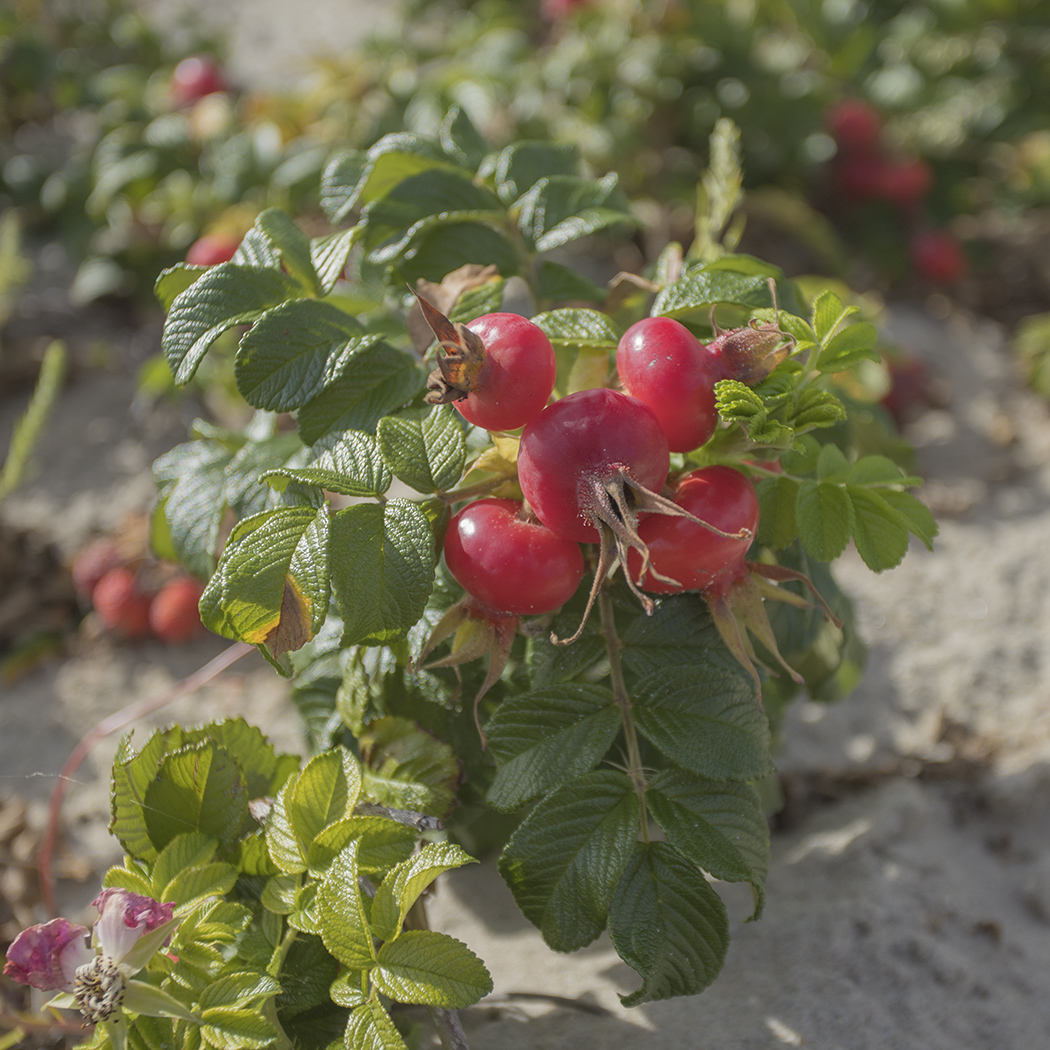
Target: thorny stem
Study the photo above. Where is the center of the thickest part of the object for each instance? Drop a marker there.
(623, 701)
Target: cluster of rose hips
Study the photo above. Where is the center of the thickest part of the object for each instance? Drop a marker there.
(594, 469)
(135, 600)
(864, 170)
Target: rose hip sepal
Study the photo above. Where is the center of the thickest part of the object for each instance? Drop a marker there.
(98, 980)
(750, 353)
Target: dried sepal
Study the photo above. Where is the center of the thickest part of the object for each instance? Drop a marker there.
(460, 357)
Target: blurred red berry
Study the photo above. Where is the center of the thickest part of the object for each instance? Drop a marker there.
(938, 256)
(553, 10)
(174, 615)
(211, 249)
(854, 125)
(908, 388)
(92, 562)
(906, 183)
(195, 77)
(858, 178)
(121, 604)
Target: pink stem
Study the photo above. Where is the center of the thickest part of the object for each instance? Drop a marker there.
(115, 721)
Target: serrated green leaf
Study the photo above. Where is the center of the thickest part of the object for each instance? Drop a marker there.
(878, 470)
(306, 915)
(705, 719)
(426, 450)
(522, 164)
(382, 569)
(915, 514)
(346, 991)
(238, 989)
(227, 295)
(718, 825)
(403, 885)
(557, 284)
(257, 250)
(326, 791)
(183, 851)
(348, 463)
(294, 351)
(438, 247)
(133, 773)
(281, 841)
(264, 769)
(698, 290)
(544, 738)
(191, 887)
(802, 457)
(423, 966)
(279, 893)
(407, 768)
(849, 347)
(173, 281)
(329, 256)
(376, 380)
(369, 1028)
(558, 209)
(271, 586)
(343, 921)
(879, 532)
(307, 975)
(475, 302)
(817, 408)
(381, 843)
(340, 182)
(197, 788)
(550, 664)
(824, 516)
(563, 862)
(777, 498)
(667, 924)
(293, 246)
(579, 329)
(227, 1028)
(828, 314)
(832, 464)
(680, 631)
(461, 140)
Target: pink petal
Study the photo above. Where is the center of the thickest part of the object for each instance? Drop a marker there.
(123, 917)
(46, 956)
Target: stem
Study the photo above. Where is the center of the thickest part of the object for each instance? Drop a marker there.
(479, 489)
(623, 701)
(281, 951)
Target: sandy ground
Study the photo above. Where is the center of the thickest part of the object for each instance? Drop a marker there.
(909, 895)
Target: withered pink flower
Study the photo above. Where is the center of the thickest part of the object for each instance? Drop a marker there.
(53, 956)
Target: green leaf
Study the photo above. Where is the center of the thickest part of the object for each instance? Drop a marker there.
(238, 989)
(680, 631)
(404, 884)
(173, 281)
(133, 773)
(915, 514)
(849, 347)
(326, 791)
(228, 1028)
(828, 314)
(293, 246)
(329, 256)
(193, 886)
(522, 164)
(344, 924)
(439, 246)
(381, 843)
(705, 719)
(486, 298)
(183, 851)
(271, 586)
(369, 1028)
(777, 498)
(461, 140)
(383, 570)
(196, 788)
(557, 283)
(281, 841)
(425, 450)
(407, 768)
(563, 862)
(697, 290)
(264, 770)
(579, 329)
(879, 532)
(227, 295)
(348, 463)
(832, 464)
(559, 209)
(718, 825)
(825, 518)
(667, 924)
(294, 352)
(878, 470)
(340, 183)
(423, 966)
(544, 738)
(375, 379)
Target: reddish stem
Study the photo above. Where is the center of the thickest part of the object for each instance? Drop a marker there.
(115, 721)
